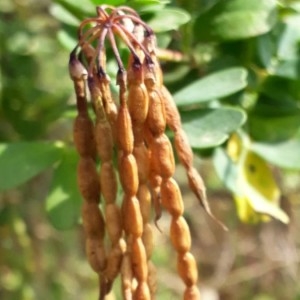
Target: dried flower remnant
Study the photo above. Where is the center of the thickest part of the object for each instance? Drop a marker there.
(134, 129)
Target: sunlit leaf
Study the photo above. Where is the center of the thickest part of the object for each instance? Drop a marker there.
(211, 127)
(285, 154)
(288, 46)
(168, 19)
(68, 41)
(21, 161)
(213, 86)
(109, 2)
(236, 19)
(63, 201)
(64, 15)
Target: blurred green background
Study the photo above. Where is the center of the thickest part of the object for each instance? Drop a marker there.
(238, 71)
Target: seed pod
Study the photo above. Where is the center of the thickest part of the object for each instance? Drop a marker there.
(138, 103)
(77, 71)
(144, 198)
(162, 158)
(172, 115)
(180, 235)
(114, 260)
(124, 134)
(88, 51)
(83, 135)
(109, 104)
(93, 222)
(171, 198)
(184, 151)
(142, 291)
(142, 157)
(156, 119)
(187, 268)
(128, 174)
(95, 252)
(139, 260)
(126, 274)
(87, 180)
(113, 222)
(104, 141)
(197, 186)
(147, 239)
(131, 216)
(191, 293)
(155, 182)
(108, 182)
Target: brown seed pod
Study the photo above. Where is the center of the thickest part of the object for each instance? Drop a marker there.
(197, 186)
(138, 103)
(184, 152)
(139, 260)
(93, 221)
(124, 134)
(108, 182)
(172, 115)
(171, 198)
(144, 198)
(131, 216)
(83, 135)
(161, 157)
(142, 291)
(180, 235)
(87, 180)
(96, 255)
(187, 268)
(156, 118)
(128, 174)
(88, 51)
(142, 156)
(110, 105)
(191, 293)
(114, 260)
(113, 222)
(104, 141)
(155, 183)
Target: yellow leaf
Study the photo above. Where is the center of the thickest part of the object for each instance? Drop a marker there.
(258, 189)
(234, 147)
(258, 174)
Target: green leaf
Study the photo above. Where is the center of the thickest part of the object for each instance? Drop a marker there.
(283, 154)
(288, 69)
(213, 86)
(168, 19)
(80, 8)
(143, 6)
(66, 39)
(63, 15)
(288, 45)
(236, 19)
(109, 2)
(273, 129)
(21, 161)
(63, 202)
(211, 127)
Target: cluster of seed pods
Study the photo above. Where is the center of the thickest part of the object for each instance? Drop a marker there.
(132, 130)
